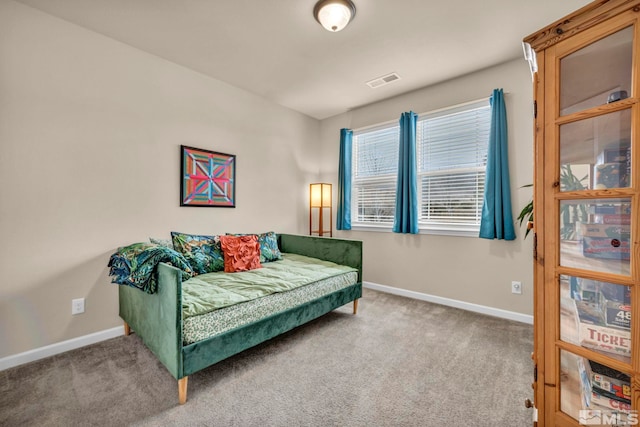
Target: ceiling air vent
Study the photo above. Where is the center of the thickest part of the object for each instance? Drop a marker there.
(384, 80)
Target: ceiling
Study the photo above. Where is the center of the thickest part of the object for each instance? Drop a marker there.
(275, 48)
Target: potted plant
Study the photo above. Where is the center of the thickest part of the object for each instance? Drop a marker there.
(526, 214)
(570, 214)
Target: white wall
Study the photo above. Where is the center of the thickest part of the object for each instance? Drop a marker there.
(90, 130)
(468, 269)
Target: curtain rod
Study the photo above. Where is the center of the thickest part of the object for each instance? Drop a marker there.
(462, 104)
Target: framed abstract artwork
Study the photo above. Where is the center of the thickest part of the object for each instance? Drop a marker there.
(207, 178)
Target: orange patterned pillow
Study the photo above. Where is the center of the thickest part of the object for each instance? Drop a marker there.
(241, 253)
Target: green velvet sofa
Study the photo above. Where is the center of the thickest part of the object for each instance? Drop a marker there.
(157, 318)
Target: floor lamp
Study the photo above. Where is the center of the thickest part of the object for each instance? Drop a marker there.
(319, 208)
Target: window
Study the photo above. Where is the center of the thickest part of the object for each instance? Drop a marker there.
(452, 155)
(375, 170)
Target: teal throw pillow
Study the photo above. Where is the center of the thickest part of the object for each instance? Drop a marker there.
(269, 250)
(203, 253)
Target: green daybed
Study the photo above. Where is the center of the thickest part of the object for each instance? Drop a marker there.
(159, 318)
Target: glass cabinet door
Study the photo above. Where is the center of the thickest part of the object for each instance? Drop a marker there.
(595, 153)
(589, 215)
(598, 73)
(595, 234)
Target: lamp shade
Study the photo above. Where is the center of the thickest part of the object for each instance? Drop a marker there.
(320, 209)
(334, 15)
(320, 194)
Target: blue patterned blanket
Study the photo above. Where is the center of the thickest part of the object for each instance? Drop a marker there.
(136, 265)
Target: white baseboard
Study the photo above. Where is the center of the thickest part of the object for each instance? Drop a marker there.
(496, 312)
(60, 347)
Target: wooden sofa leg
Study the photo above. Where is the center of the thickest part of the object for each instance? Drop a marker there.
(355, 306)
(182, 390)
(127, 329)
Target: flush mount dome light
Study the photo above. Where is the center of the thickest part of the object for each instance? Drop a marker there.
(334, 15)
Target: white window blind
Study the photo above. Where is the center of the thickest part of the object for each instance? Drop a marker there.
(375, 168)
(452, 155)
(451, 149)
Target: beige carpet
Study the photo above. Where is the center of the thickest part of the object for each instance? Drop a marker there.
(399, 362)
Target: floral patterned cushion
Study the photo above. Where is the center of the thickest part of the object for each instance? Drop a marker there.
(136, 265)
(269, 247)
(269, 250)
(241, 253)
(203, 253)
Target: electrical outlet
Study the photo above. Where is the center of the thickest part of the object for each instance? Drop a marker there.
(516, 287)
(77, 306)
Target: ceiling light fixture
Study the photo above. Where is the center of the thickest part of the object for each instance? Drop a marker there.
(334, 15)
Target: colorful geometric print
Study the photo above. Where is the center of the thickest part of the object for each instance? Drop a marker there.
(208, 178)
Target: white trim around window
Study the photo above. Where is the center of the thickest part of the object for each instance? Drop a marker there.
(451, 152)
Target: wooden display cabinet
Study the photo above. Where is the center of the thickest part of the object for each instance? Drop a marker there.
(586, 74)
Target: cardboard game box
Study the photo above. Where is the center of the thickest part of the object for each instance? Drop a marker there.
(611, 302)
(584, 289)
(602, 387)
(612, 231)
(608, 403)
(606, 241)
(606, 248)
(611, 219)
(608, 382)
(615, 313)
(595, 334)
(611, 209)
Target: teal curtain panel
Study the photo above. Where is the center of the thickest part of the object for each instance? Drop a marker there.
(406, 213)
(344, 180)
(497, 219)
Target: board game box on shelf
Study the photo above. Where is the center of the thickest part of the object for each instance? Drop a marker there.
(603, 387)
